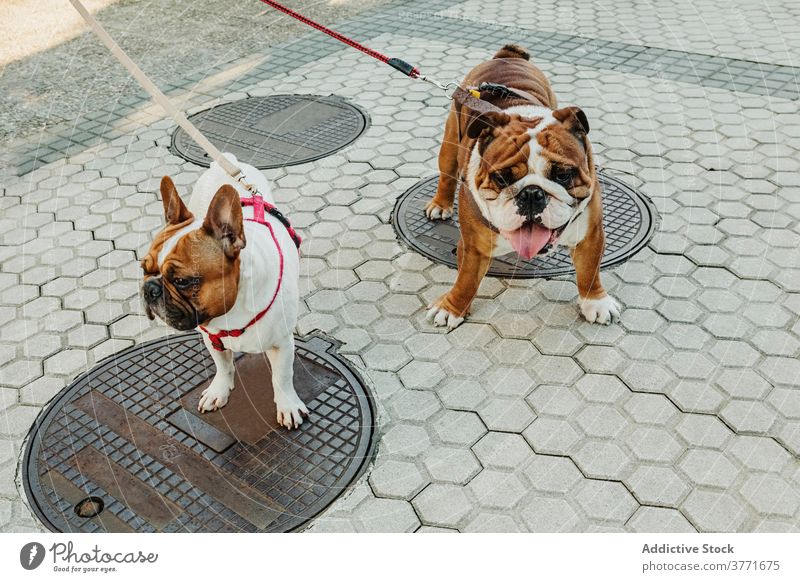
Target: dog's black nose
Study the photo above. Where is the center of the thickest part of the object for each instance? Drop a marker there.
(152, 289)
(531, 201)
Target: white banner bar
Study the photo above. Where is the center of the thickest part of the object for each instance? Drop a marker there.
(352, 557)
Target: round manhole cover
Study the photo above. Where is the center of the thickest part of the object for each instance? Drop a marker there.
(123, 448)
(274, 131)
(629, 220)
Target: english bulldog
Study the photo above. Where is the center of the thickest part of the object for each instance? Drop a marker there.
(528, 183)
(231, 271)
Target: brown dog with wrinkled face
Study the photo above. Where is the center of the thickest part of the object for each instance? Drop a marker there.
(528, 183)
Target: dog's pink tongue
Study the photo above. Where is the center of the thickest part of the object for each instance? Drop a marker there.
(527, 240)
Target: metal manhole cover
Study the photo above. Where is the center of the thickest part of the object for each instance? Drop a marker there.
(122, 449)
(629, 220)
(274, 131)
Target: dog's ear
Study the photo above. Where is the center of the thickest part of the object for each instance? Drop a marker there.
(486, 122)
(573, 118)
(175, 210)
(224, 221)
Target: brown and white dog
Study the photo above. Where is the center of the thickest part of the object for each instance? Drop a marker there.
(528, 182)
(218, 267)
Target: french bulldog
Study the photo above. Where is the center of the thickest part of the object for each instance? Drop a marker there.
(231, 270)
(528, 183)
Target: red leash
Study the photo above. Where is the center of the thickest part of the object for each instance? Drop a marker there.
(406, 68)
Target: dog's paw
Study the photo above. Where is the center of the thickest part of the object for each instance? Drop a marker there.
(290, 411)
(435, 211)
(215, 396)
(440, 316)
(602, 311)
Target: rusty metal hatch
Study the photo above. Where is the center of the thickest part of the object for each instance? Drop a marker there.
(123, 448)
(629, 220)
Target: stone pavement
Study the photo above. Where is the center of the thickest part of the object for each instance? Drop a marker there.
(683, 417)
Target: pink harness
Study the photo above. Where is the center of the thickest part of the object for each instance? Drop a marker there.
(259, 206)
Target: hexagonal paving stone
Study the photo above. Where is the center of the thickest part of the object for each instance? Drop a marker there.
(706, 467)
(462, 394)
(388, 357)
(606, 500)
(67, 363)
(700, 430)
(771, 494)
(601, 421)
(459, 428)
(421, 375)
(551, 436)
(646, 377)
(398, 479)
(714, 511)
(497, 490)
(506, 414)
(781, 370)
(654, 444)
(509, 382)
(603, 460)
(548, 514)
(557, 370)
(657, 485)
(601, 359)
(556, 342)
(502, 451)
(553, 400)
(743, 384)
(749, 416)
(405, 440)
(414, 405)
(470, 363)
(690, 365)
(552, 474)
(650, 409)
(514, 352)
(442, 505)
(451, 465)
(759, 453)
(601, 388)
(386, 515)
(659, 520)
(487, 522)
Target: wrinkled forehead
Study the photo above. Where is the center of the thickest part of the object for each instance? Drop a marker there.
(170, 244)
(165, 242)
(540, 137)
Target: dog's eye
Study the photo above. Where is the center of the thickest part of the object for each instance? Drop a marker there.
(502, 178)
(182, 283)
(563, 176)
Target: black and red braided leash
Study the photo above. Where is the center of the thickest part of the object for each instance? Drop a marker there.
(469, 97)
(399, 64)
(407, 69)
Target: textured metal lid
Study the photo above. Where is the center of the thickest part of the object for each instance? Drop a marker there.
(274, 131)
(123, 448)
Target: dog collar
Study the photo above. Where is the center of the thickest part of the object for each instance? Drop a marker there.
(260, 207)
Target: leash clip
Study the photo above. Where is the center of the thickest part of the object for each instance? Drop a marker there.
(448, 88)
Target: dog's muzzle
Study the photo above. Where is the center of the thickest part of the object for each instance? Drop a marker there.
(152, 290)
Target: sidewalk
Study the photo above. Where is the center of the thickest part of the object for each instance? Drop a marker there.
(683, 417)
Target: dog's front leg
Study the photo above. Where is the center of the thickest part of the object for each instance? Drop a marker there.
(216, 395)
(473, 263)
(290, 409)
(596, 305)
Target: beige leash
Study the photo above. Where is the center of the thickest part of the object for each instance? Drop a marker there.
(159, 97)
